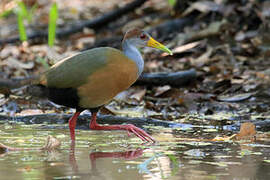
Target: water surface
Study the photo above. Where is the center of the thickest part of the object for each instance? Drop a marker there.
(179, 154)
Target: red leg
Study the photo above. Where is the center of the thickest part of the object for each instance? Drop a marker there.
(128, 127)
(72, 125)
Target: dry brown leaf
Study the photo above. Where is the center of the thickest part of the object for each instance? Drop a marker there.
(128, 96)
(247, 131)
(204, 7)
(9, 50)
(185, 47)
(235, 98)
(162, 89)
(138, 95)
(17, 64)
(225, 138)
(204, 58)
(30, 112)
(138, 111)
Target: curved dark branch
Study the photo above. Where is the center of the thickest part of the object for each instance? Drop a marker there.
(94, 24)
(175, 79)
(83, 120)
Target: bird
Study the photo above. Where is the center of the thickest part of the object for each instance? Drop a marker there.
(91, 79)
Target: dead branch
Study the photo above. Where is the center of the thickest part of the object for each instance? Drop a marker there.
(175, 79)
(161, 32)
(83, 120)
(94, 24)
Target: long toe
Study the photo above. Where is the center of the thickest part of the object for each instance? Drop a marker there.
(139, 133)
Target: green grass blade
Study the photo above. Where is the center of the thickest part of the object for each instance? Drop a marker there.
(172, 2)
(52, 24)
(31, 13)
(21, 27)
(22, 9)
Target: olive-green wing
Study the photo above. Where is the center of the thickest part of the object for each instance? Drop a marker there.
(74, 71)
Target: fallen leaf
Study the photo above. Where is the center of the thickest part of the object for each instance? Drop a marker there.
(235, 98)
(225, 138)
(131, 112)
(204, 58)
(247, 131)
(128, 96)
(9, 50)
(204, 7)
(185, 47)
(162, 89)
(12, 62)
(138, 95)
(30, 112)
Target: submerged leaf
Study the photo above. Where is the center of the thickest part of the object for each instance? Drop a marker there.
(51, 143)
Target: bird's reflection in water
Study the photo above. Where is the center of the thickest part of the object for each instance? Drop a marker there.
(72, 159)
(93, 156)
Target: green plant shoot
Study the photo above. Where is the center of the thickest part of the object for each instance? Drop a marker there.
(21, 14)
(172, 2)
(52, 24)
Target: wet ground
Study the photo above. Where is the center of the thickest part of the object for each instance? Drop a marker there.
(179, 154)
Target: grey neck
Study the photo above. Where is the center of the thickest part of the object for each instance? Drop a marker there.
(133, 53)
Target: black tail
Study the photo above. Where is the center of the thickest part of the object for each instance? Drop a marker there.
(38, 91)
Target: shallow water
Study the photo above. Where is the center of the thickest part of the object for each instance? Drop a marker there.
(179, 154)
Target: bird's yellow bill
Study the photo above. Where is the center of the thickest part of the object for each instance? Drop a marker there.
(154, 44)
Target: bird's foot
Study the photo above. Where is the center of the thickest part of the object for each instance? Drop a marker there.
(130, 128)
(138, 132)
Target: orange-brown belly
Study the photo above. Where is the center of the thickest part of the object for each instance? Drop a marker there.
(107, 82)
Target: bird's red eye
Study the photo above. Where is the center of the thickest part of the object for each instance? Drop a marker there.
(142, 36)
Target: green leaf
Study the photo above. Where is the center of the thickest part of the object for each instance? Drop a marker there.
(172, 2)
(52, 24)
